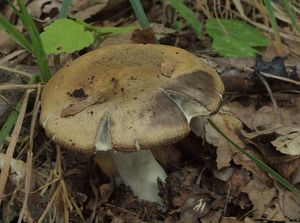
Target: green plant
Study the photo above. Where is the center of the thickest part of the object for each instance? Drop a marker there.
(273, 22)
(68, 36)
(65, 36)
(140, 13)
(188, 15)
(34, 44)
(288, 7)
(234, 38)
(64, 8)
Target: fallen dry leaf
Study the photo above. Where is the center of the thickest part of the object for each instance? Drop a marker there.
(88, 100)
(263, 119)
(238, 180)
(289, 204)
(223, 174)
(6, 43)
(249, 165)
(260, 195)
(231, 126)
(167, 67)
(274, 212)
(212, 216)
(289, 143)
(85, 9)
(43, 10)
(242, 112)
(81, 105)
(143, 36)
(230, 220)
(296, 176)
(106, 191)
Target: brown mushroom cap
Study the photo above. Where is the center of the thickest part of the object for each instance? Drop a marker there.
(119, 90)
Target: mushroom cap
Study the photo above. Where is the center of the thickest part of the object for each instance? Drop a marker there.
(119, 97)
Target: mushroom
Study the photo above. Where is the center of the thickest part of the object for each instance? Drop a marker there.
(126, 99)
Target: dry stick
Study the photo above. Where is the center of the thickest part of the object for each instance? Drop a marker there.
(77, 209)
(285, 79)
(63, 192)
(27, 185)
(49, 205)
(12, 145)
(36, 109)
(5, 87)
(96, 194)
(11, 56)
(8, 103)
(12, 70)
(275, 106)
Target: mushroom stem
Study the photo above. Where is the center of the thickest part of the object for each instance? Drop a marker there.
(140, 171)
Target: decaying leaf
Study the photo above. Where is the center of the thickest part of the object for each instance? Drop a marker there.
(143, 36)
(230, 220)
(274, 212)
(106, 191)
(43, 10)
(167, 67)
(98, 97)
(231, 127)
(85, 9)
(264, 118)
(75, 108)
(296, 176)
(260, 195)
(238, 180)
(289, 143)
(6, 43)
(290, 205)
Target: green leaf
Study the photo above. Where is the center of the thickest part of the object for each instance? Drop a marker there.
(9, 123)
(37, 46)
(17, 36)
(234, 38)
(231, 47)
(65, 36)
(188, 15)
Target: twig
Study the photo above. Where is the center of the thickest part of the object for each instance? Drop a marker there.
(36, 109)
(8, 103)
(275, 106)
(12, 70)
(285, 79)
(11, 56)
(49, 205)
(268, 75)
(12, 145)
(5, 87)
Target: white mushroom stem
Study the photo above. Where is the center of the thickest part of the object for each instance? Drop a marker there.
(139, 170)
